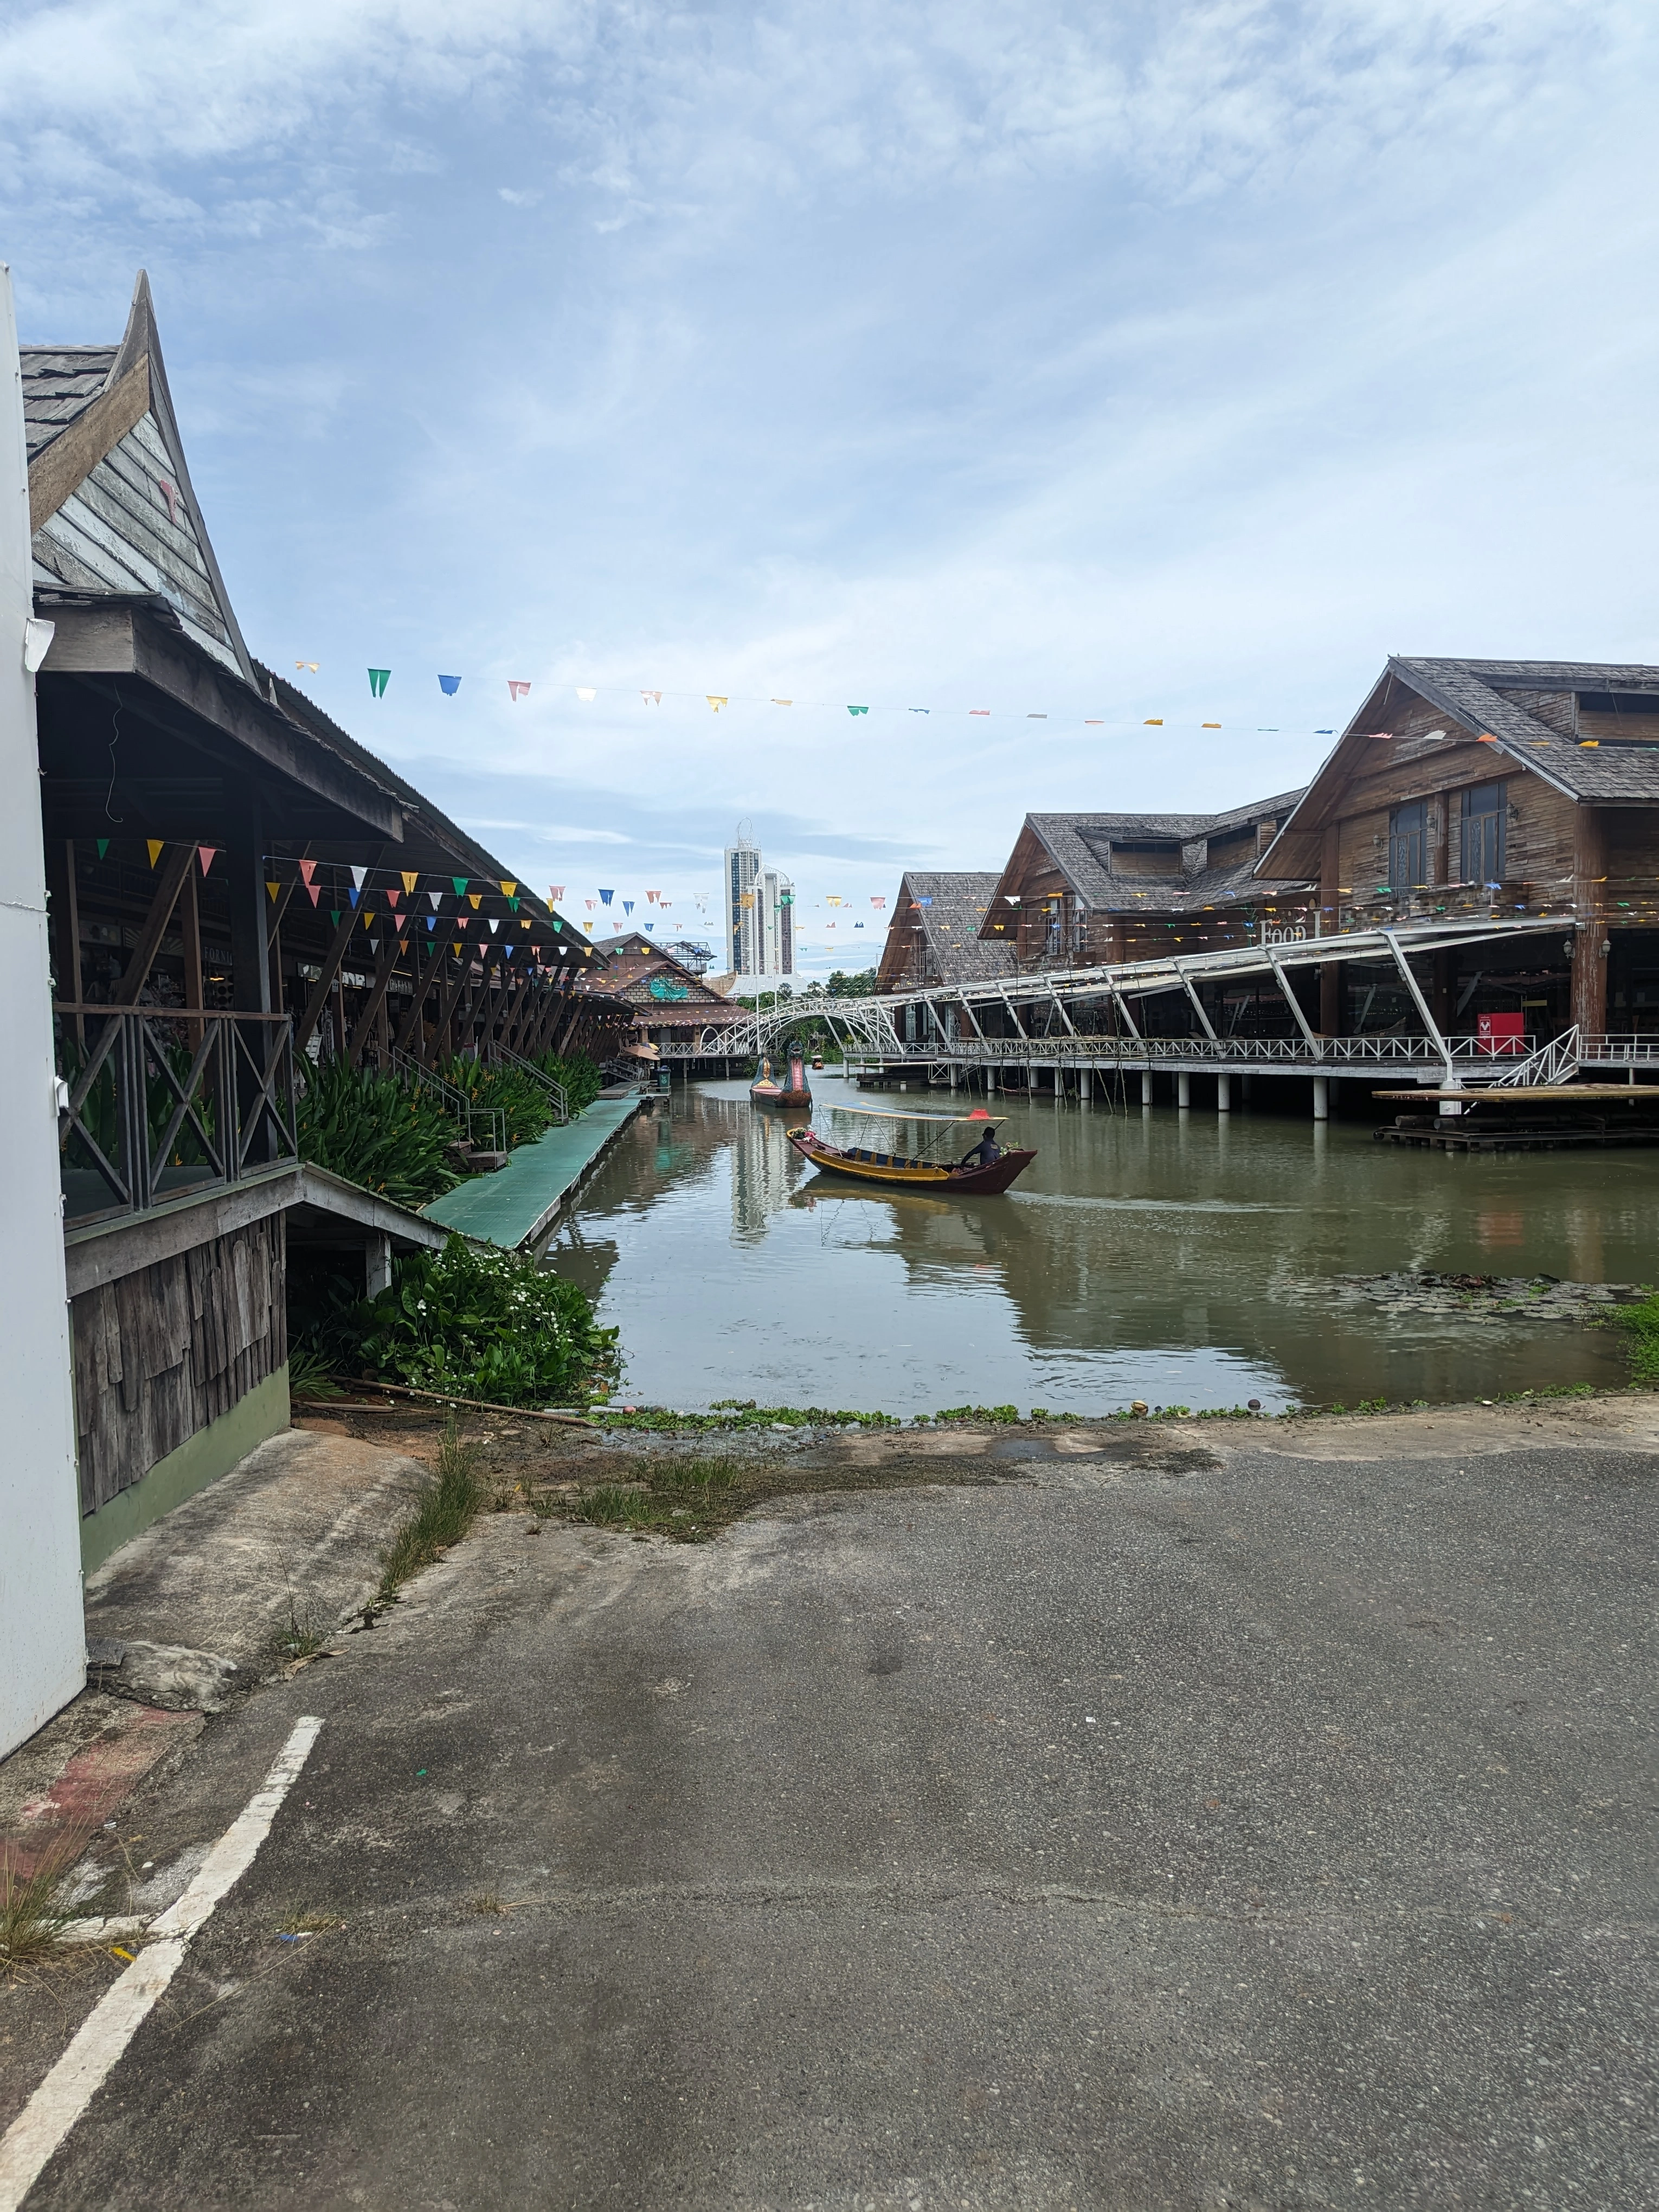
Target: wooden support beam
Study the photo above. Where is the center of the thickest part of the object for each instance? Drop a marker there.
(1589, 903)
(179, 859)
(425, 978)
(190, 929)
(66, 928)
(430, 1053)
(333, 959)
(371, 1006)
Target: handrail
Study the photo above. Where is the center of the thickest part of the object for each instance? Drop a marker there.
(146, 1128)
(409, 1072)
(502, 1055)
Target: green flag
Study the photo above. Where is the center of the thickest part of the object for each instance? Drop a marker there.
(103, 847)
(460, 884)
(378, 680)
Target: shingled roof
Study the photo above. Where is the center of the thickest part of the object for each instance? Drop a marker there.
(1533, 710)
(949, 909)
(1080, 846)
(1482, 696)
(59, 384)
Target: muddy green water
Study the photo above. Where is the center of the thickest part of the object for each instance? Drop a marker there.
(1180, 1258)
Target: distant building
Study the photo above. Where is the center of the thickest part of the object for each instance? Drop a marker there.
(699, 958)
(759, 916)
(933, 936)
(671, 1004)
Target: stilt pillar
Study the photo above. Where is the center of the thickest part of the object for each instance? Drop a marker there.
(1146, 1087)
(1321, 1084)
(1224, 1094)
(1084, 1084)
(1183, 1089)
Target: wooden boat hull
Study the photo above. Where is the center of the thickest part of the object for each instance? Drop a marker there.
(893, 1172)
(773, 1094)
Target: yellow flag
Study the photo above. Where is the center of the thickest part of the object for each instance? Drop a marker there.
(156, 845)
(475, 900)
(507, 890)
(272, 888)
(717, 699)
(410, 880)
(458, 948)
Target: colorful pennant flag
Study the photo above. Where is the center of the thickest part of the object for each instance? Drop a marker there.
(204, 853)
(651, 698)
(515, 691)
(378, 680)
(308, 869)
(103, 847)
(273, 889)
(449, 685)
(433, 898)
(605, 896)
(716, 699)
(858, 710)
(410, 879)
(311, 665)
(155, 846)
(979, 710)
(627, 906)
(359, 877)
(554, 893)
(460, 884)
(507, 888)
(783, 703)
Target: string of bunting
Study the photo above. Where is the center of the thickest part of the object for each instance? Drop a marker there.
(520, 688)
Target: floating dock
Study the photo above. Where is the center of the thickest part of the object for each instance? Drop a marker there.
(517, 1207)
(1526, 1118)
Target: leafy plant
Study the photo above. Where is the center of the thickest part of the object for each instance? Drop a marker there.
(1640, 1323)
(369, 1130)
(444, 1510)
(475, 1322)
(525, 1107)
(579, 1077)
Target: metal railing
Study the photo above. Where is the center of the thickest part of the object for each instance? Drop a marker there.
(1631, 1048)
(498, 1055)
(154, 1103)
(468, 1116)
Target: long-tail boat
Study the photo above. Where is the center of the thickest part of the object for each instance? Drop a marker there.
(926, 1170)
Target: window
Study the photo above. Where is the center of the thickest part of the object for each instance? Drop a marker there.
(1482, 834)
(1407, 851)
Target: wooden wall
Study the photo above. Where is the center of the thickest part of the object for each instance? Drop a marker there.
(160, 1354)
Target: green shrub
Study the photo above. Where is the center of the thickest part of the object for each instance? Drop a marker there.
(526, 1108)
(1640, 1323)
(370, 1130)
(581, 1080)
(475, 1322)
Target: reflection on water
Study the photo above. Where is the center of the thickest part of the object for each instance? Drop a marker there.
(1170, 1256)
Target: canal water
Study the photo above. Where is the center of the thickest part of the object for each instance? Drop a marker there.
(1185, 1259)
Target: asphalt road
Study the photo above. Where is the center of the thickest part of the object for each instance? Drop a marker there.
(1198, 1828)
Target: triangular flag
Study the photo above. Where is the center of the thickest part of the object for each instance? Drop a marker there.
(514, 903)
(460, 884)
(409, 881)
(272, 888)
(651, 698)
(334, 916)
(431, 924)
(373, 943)
(154, 845)
(783, 703)
(352, 894)
(507, 888)
(458, 947)
(204, 853)
(103, 847)
(393, 898)
(311, 665)
(554, 893)
(588, 903)
(516, 690)
(308, 869)
(494, 927)
(858, 710)
(580, 693)
(378, 680)
(651, 895)
(508, 951)
(605, 896)
(716, 699)
(433, 898)
(368, 921)
(462, 920)
(475, 900)
(316, 890)
(627, 906)
(400, 918)
(358, 877)
(449, 685)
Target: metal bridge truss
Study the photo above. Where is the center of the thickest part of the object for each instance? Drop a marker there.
(1038, 1008)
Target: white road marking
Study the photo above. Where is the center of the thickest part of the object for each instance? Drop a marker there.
(67, 2091)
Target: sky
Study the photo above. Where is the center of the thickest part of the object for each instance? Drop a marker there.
(1082, 375)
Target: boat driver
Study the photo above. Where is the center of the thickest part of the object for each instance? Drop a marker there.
(984, 1154)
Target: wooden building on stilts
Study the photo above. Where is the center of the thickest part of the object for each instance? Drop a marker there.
(236, 886)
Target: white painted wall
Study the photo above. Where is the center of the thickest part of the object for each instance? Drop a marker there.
(42, 1641)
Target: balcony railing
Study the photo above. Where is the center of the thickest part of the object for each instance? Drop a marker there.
(154, 1104)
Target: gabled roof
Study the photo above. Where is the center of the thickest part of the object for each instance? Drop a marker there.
(112, 507)
(634, 961)
(1080, 845)
(949, 909)
(1528, 708)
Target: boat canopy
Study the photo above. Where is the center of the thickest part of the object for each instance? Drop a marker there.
(979, 1117)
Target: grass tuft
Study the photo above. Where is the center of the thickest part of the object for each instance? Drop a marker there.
(444, 1511)
(1640, 1323)
(32, 1920)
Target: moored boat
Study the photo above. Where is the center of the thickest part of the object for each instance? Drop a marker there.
(766, 1091)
